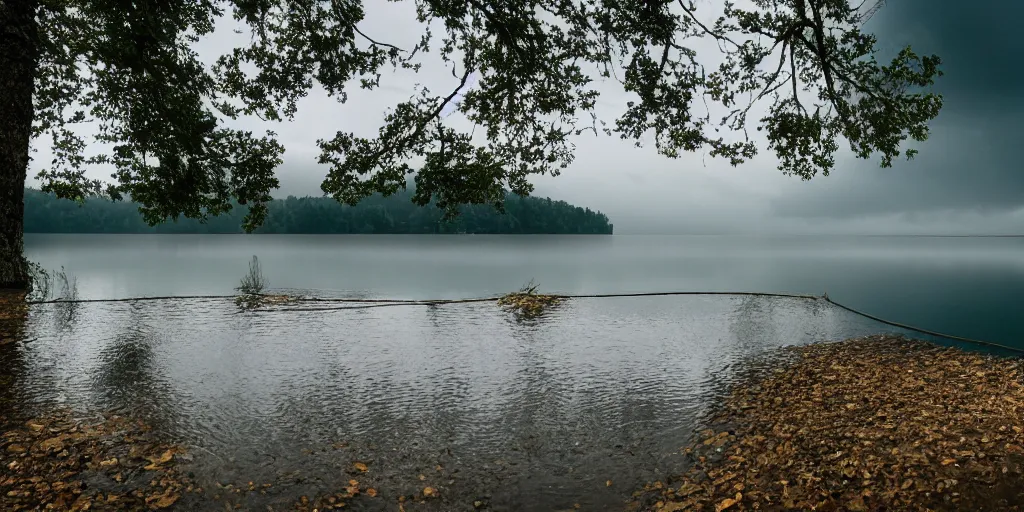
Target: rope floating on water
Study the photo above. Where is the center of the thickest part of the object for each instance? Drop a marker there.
(920, 330)
(422, 302)
(379, 303)
(376, 303)
(130, 299)
(560, 296)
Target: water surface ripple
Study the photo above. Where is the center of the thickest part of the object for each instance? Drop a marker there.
(535, 415)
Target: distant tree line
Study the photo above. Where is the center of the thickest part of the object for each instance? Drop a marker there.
(44, 213)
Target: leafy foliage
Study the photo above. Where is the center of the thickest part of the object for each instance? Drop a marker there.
(130, 68)
(40, 284)
(396, 214)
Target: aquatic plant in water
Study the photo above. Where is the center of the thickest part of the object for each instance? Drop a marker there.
(252, 288)
(43, 283)
(254, 282)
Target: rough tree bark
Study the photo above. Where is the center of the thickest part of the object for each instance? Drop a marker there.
(18, 59)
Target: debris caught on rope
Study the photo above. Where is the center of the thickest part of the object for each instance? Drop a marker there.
(251, 301)
(527, 303)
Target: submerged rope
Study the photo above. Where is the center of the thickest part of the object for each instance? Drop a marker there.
(377, 303)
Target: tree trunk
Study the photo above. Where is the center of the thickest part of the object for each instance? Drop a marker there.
(19, 45)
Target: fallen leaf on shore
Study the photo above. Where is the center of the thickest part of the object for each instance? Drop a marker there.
(673, 506)
(724, 504)
(163, 458)
(361, 467)
(164, 500)
(53, 444)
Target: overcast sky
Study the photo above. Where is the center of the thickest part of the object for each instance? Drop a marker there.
(966, 180)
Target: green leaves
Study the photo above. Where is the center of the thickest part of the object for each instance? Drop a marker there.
(805, 61)
(131, 71)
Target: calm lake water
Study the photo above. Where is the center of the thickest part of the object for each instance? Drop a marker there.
(533, 415)
(970, 287)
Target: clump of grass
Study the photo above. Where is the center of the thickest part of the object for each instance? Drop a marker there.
(254, 282)
(68, 285)
(252, 288)
(40, 282)
(43, 284)
(527, 303)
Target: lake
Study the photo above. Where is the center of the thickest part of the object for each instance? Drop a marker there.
(531, 415)
(969, 287)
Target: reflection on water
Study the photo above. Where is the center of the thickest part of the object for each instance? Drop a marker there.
(967, 287)
(530, 416)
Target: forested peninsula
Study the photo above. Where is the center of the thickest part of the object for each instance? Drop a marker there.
(376, 214)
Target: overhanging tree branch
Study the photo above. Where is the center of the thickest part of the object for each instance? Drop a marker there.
(537, 57)
(374, 42)
(717, 35)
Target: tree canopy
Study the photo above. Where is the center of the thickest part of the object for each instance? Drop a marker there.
(375, 214)
(131, 68)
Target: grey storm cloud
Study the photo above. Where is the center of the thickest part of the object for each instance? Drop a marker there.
(972, 162)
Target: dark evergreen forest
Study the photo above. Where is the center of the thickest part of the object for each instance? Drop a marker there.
(44, 213)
